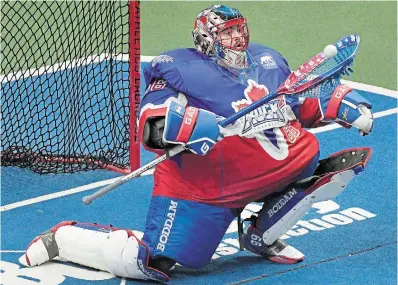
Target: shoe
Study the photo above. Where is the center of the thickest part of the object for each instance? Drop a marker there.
(279, 251)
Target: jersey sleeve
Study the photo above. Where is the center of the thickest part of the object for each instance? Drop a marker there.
(154, 105)
(168, 67)
(311, 113)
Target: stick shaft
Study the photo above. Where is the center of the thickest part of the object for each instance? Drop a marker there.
(88, 199)
(231, 119)
(172, 152)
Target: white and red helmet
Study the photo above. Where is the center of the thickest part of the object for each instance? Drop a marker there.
(214, 20)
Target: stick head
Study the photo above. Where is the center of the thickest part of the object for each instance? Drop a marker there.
(321, 67)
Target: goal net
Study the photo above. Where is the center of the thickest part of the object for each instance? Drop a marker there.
(69, 85)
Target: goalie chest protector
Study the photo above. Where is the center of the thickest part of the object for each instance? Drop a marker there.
(239, 169)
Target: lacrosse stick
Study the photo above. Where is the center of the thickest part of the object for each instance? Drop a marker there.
(319, 75)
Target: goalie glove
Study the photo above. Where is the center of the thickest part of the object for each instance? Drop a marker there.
(348, 108)
(363, 120)
(195, 128)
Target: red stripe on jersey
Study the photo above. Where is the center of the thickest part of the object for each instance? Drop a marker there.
(188, 123)
(335, 101)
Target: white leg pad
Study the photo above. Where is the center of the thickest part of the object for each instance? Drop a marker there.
(121, 254)
(82, 246)
(37, 253)
(332, 189)
(115, 252)
(324, 192)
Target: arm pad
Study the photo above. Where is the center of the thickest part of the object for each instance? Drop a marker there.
(348, 108)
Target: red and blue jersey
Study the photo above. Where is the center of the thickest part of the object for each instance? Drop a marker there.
(239, 169)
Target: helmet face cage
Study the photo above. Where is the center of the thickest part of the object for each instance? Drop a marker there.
(226, 37)
(216, 25)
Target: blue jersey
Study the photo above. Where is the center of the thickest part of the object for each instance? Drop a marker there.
(209, 86)
(238, 169)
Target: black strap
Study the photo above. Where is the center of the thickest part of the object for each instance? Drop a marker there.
(240, 231)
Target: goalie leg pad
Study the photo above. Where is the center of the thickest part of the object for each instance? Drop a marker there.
(283, 210)
(101, 247)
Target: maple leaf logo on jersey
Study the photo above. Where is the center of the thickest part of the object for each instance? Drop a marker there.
(253, 93)
(268, 116)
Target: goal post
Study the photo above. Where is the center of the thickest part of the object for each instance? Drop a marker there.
(134, 55)
(70, 85)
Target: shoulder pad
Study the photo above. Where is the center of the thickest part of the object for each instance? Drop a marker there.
(256, 49)
(268, 58)
(166, 66)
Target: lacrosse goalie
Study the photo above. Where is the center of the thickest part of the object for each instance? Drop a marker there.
(268, 157)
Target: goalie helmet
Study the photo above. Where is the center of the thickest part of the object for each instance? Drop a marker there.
(222, 32)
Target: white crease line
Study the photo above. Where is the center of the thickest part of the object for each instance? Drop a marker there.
(62, 193)
(95, 58)
(12, 251)
(146, 58)
(336, 126)
(371, 88)
(123, 281)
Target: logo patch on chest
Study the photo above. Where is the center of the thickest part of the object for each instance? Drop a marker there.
(268, 62)
(270, 115)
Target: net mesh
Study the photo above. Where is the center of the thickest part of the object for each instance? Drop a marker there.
(329, 64)
(65, 85)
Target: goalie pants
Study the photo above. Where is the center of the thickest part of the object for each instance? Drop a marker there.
(189, 232)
